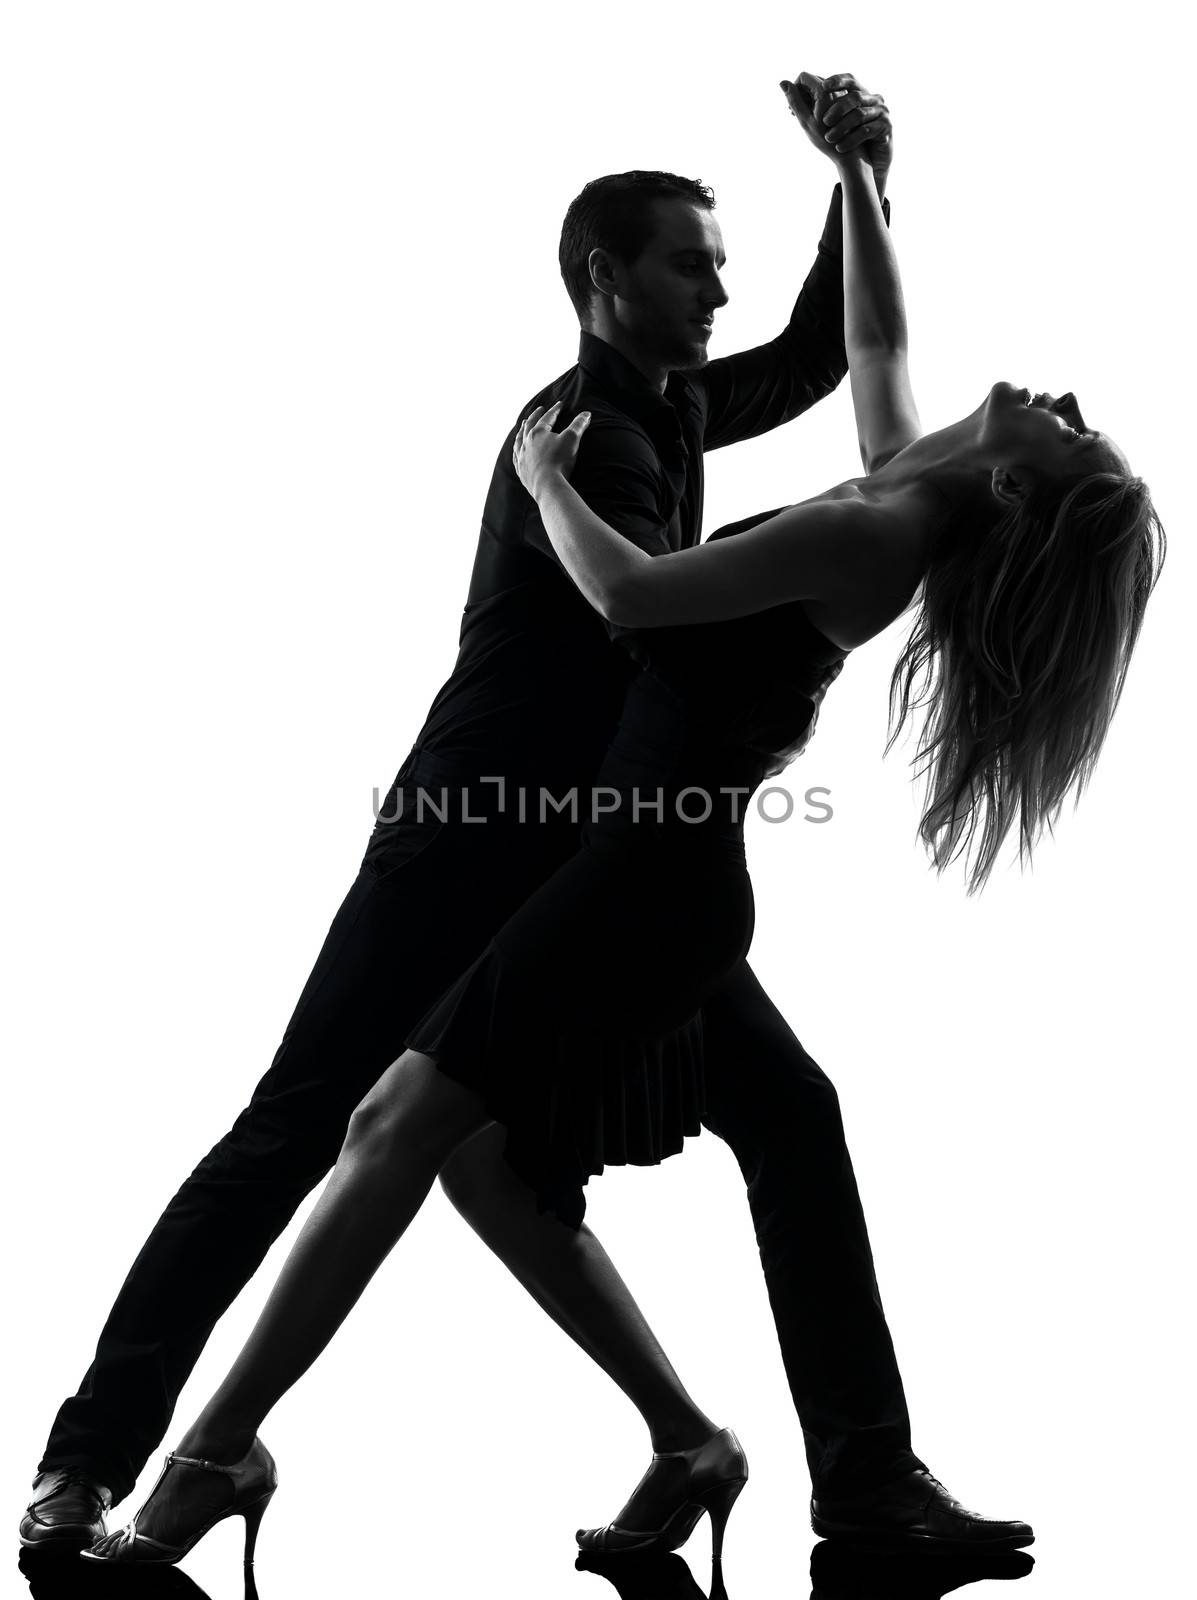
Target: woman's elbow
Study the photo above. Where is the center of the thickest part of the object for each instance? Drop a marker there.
(624, 604)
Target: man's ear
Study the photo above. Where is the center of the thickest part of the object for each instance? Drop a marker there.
(1009, 485)
(602, 272)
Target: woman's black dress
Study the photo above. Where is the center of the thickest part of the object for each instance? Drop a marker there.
(580, 1023)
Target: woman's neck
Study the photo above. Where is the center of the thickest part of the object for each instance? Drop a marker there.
(937, 475)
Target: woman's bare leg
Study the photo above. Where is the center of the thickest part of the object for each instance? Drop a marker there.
(400, 1136)
(571, 1276)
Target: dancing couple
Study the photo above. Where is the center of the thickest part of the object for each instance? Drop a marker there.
(510, 1007)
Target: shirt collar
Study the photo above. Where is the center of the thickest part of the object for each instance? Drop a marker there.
(636, 394)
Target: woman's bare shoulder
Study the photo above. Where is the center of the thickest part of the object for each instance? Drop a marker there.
(855, 522)
(880, 565)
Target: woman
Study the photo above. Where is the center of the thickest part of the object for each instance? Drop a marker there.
(578, 1029)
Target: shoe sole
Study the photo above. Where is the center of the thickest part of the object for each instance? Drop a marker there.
(67, 1543)
(875, 1539)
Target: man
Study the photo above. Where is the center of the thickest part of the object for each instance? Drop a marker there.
(530, 706)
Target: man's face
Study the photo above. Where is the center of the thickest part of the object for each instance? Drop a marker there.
(666, 299)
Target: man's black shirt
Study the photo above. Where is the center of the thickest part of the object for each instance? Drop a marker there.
(537, 687)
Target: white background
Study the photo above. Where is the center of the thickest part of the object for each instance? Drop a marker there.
(277, 280)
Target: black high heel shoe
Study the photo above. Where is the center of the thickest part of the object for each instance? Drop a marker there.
(254, 1479)
(671, 1498)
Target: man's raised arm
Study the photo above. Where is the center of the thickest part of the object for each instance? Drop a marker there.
(748, 393)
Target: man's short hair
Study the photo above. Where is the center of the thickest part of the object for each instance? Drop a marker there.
(615, 213)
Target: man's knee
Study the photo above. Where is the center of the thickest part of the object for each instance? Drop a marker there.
(781, 1126)
(809, 1095)
(269, 1142)
(770, 1090)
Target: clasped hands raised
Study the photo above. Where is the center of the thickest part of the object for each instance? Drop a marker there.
(840, 118)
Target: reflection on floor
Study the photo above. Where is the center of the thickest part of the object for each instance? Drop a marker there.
(841, 1572)
(837, 1572)
(66, 1577)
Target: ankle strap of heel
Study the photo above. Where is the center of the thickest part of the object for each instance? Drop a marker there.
(198, 1461)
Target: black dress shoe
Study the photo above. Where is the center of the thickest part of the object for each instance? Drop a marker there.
(913, 1511)
(66, 1512)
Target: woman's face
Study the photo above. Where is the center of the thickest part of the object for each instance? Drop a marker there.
(1044, 436)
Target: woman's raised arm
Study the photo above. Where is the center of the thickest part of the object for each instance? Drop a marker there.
(887, 418)
(874, 315)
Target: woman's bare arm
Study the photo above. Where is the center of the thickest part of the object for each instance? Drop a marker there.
(887, 418)
(834, 119)
(812, 551)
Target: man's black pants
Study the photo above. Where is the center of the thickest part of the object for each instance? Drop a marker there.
(427, 897)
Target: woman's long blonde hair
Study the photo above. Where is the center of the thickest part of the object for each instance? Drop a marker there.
(1018, 653)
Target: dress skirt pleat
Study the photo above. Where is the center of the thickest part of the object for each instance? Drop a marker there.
(580, 1023)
